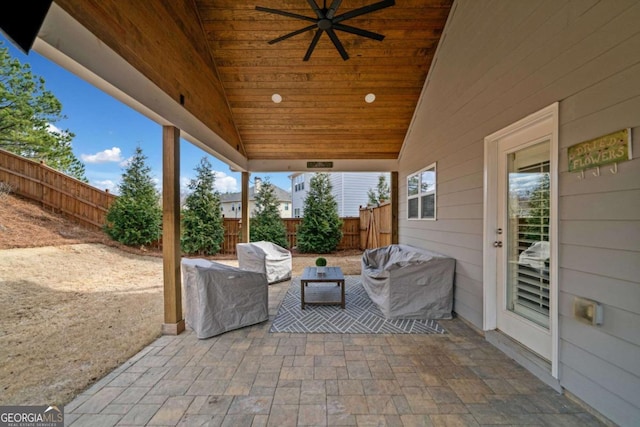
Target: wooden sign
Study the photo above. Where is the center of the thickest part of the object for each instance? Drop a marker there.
(607, 149)
(319, 165)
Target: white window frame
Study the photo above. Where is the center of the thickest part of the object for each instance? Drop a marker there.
(420, 193)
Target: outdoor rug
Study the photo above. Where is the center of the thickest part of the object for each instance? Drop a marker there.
(361, 315)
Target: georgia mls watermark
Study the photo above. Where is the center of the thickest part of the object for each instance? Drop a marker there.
(31, 416)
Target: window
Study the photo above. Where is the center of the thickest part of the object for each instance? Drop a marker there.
(298, 183)
(296, 213)
(232, 208)
(421, 194)
(286, 206)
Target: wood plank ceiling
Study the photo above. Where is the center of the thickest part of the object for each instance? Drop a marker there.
(323, 113)
(216, 52)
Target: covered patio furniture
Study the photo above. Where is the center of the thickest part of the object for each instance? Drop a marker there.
(407, 282)
(265, 257)
(219, 298)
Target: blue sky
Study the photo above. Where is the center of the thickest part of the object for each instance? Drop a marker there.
(108, 131)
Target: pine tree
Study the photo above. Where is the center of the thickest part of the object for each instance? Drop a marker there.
(382, 194)
(27, 115)
(383, 189)
(320, 230)
(266, 223)
(135, 217)
(202, 223)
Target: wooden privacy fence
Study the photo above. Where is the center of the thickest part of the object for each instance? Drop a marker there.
(61, 193)
(88, 205)
(375, 226)
(231, 236)
(350, 233)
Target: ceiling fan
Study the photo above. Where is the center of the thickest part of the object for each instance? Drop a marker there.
(327, 21)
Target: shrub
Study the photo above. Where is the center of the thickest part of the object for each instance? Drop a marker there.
(266, 223)
(320, 230)
(135, 217)
(202, 224)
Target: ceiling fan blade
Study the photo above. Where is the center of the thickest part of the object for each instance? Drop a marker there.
(358, 31)
(284, 13)
(313, 44)
(337, 43)
(361, 11)
(332, 9)
(316, 8)
(295, 33)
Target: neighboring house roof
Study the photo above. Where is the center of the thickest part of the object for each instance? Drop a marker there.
(281, 195)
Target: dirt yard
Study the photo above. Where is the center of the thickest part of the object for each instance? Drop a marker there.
(75, 305)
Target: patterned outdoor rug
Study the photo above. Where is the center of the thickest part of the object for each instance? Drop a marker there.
(361, 315)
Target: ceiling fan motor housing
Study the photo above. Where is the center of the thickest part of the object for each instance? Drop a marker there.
(327, 21)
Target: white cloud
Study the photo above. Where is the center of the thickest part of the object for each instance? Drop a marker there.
(106, 184)
(157, 182)
(126, 162)
(184, 183)
(109, 155)
(53, 129)
(225, 183)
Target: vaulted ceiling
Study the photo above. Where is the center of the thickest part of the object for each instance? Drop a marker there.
(213, 58)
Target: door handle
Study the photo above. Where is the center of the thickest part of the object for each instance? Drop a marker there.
(497, 244)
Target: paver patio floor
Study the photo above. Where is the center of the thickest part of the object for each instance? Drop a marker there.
(251, 377)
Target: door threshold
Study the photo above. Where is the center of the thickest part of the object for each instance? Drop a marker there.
(526, 358)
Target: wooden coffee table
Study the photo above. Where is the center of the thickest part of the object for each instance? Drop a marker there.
(333, 275)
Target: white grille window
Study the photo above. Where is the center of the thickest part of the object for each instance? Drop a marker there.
(421, 194)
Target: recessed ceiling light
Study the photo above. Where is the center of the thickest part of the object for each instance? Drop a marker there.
(369, 98)
(277, 98)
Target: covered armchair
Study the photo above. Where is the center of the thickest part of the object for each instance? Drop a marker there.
(407, 282)
(265, 257)
(219, 298)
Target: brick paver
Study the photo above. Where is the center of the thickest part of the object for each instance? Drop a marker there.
(251, 377)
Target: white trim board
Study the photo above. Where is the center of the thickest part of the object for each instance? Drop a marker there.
(549, 117)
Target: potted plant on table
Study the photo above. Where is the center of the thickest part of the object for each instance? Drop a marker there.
(321, 265)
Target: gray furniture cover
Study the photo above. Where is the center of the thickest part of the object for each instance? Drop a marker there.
(265, 257)
(220, 298)
(407, 282)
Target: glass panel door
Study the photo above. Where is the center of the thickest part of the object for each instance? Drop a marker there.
(527, 233)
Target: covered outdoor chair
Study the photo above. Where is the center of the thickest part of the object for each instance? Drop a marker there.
(408, 282)
(265, 257)
(219, 298)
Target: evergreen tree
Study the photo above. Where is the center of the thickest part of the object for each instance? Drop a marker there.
(27, 115)
(135, 217)
(266, 223)
(382, 194)
(320, 230)
(202, 223)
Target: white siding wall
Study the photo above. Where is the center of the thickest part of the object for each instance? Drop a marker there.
(297, 197)
(357, 185)
(349, 189)
(338, 190)
(285, 210)
(500, 61)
